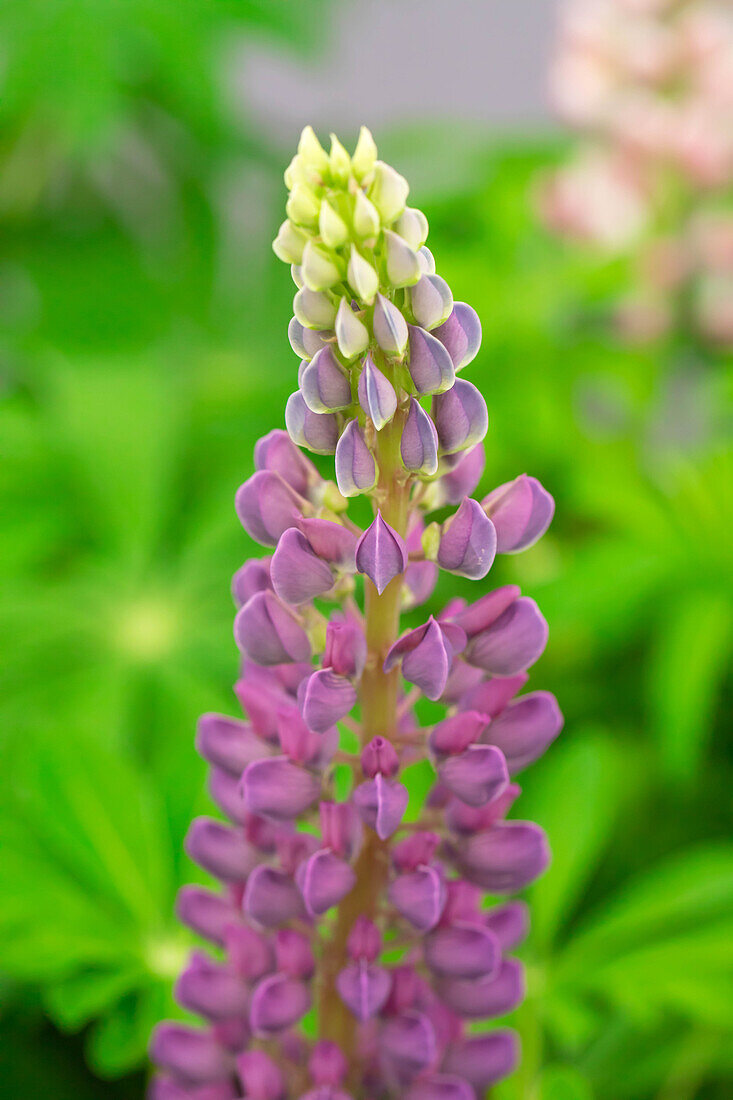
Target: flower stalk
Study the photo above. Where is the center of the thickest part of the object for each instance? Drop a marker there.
(338, 903)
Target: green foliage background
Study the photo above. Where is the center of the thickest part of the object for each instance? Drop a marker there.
(143, 351)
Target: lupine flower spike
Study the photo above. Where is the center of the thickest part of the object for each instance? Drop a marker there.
(334, 904)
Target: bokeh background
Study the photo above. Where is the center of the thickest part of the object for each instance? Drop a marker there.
(143, 350)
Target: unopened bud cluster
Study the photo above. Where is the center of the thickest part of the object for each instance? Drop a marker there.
(329, 899)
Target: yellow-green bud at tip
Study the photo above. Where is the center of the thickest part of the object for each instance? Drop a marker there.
(362, 277)
(311, 150)
(289, 244)
(352, 336)
(412, 226)
(339, 161)
(366, 217)
(332, 227)
(365, 154)
(303, 207)
(388, 191)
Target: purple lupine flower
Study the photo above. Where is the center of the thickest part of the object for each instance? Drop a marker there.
(313, 888)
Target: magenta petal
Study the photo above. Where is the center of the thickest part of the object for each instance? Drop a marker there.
(462, 818)
(521, 511)
(484, 1059)
(225, 792)
(346, 648)
(271, 897)
(228, 743)
(253, 576)
(248, 953)
(165, 1088)
(456, 733)
(356, 470)
(525, 728)
(408, 1042)
(324, 383)
(491, 696)
(261, 1079)
(278, 789)
(211, 989)
(429, 364)
(468, 542)
(364, 941)
(460, 417)
(277, 452)
(220, 850)
(486, 997)
(189, 1053)
(509, 923)
(341, 828)
(204, 912)
(363, 987)
(267, 506)
(506, 857)
(463, 474)
(382, 803)
(441, 1086)
(461, 334)
(269, 633)
(297, 573)
(278, 1002)
(379, 757)
(463, 950)
(427, 653)
(476, 776)
(376, 394)
(419, 443)
(381, 553)
(324, 880)
(485, 611)
(316, 431)
(421, 578)
(513, 642)
(294, 953)
(330, 541)
(419, 896)
(327, 1064)
(325, 698)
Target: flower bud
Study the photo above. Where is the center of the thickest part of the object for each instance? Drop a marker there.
(277, 453)
(513, 642)
(356, 470)
(363, 987)
(364, 941)
(455, 733)
(228, 743)
(267, 506)
(409, 1044)
(461, 335)
(381, 803)
(463, 950)
(289, 244)
(324, 880)
(341, 829)
(484, 612)
(331, 226)
(268, 633)
(311, 151)
(325, 698)
(319, 269)
(220, 850)
(271, 897)
(462, 475)
(414, 850)
(506, 857)
(426, 260)
(388, 191)
(431, 301)
(278, 789)
(366, 217)
(261, 1079)
(412, 226)
(339, 162)
(440, 1086)
(381, 553)
(484, 1059)
(352, 336)
(429, 364)
(210, 989)
(496, 995)
(362, 277)
(525, 728)
(190, 1053)
(316, 431)
(390, 327)
(468, 542)
(249, 953)
(521, 511)
(365, 154)
(419, 442)
(426, 654)
(324, 384)
(419, 896)
(509, 923)
(278, 1002)
(376, 394)
(294, 953)
(379, 758)
(206, 913)
(303, 206)
(330, 541)
(305, 342)
(298, 574)
(314, 309)
(477, 775)
(327, 1064)
(346, 648)
(401, 262)
(460, 417)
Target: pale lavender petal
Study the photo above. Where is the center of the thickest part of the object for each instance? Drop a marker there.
(419, 896)
(324, 880)
(390, 327)
(204, 912)
(460, 417)
(271, 897)
(429, 364)
(278, 1002)
(316, 431)
(376, 394)
(419, 443)
(267, 506)
(220, 850)
(268, 633)
(431, 301)
(509, 923)
(462, 950)
(325, 698)
(461, 334)
(467, 542)
(278, 789)
(476, 776)
(484, 1059)
(513, 642)
(356, 471)
(305, 342)
(330, 541)
(381, 553)
(408, 1042)
(189, 1053)
(210, 989)
(261, 1079)
(463, 473)
(229, 743)
(363, 987)
(485, 611)
(324, 383)
(298, 574)
(382, 803)
(506, 857)
(486, 997)
(525, 728)
(441, 1086)
(253, 576)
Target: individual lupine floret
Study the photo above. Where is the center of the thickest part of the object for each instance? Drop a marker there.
(319, 874)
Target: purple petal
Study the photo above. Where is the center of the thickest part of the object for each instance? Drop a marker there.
(460, 417)
(341, 828)
(485, 611)
(324, 383)
(376, 395)
(210, 989)
(462, 818)
(228, 743)
(521, 511)
(419, 896)
(189, 1053)
(324, 880)
(346, 648)
(278, 1002)
(299, 742)
(426, 653)
(513, 642)
(382, 803)
(271, 897)
(486, 997)
(484, 1059)
(356, 471)
(525, 728)
(461, 680)
(509, 923)
(261, 1079)
(429, 364)
(431, 301)
(413, 850)
(330, 541)
(277, 453)
(267, 506)
(364, 941)
(316, 431)
(463, 950)
(363, 987)
(294, 953)
(419, 443)
(164, 1088)
(505, 858)
(379, 757)
(225, 792)
(408, 1042)
(298, 574)
(278, 789)
(463, 474)
(468, 542)
(491, 696)
(206, 913)
(441, 1086)
(420, 580)
(253, 576)
(475, 776)
(269, 633)
(248, 953)
(327, 1064)
(220, 850)
(456, 733)
(461, 334)
(325, 698)
(304, 341)
(381, 553)
(390, 327)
